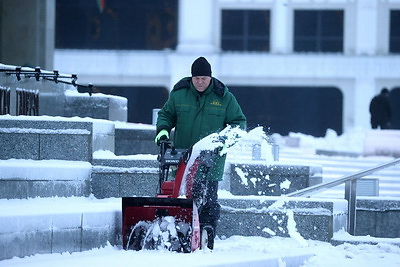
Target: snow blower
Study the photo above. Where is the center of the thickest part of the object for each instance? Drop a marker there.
(164, 221)
(171, 219)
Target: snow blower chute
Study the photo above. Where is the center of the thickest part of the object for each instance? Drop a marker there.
(164, 221)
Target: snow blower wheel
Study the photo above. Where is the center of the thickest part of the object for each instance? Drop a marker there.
(137, 236)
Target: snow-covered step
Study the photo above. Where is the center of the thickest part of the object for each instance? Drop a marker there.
(54, 225)
(21, 178)
(310, 218)
(343, 237)
(135, 175)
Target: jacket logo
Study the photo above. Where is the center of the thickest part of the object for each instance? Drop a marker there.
(216, 103)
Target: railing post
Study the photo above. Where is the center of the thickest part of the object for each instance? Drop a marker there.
(4, 101)
(350, 195)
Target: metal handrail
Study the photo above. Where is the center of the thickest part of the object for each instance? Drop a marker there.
(350, 190)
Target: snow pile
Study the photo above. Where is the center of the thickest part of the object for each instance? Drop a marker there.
(351, 141)
(253, 145)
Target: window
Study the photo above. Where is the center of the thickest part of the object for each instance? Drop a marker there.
(116, 24)
(245, 30)
(394, 35)
(318, 30)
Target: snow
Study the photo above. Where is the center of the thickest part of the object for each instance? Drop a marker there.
(350, 141)
(46, 131)
(227, 137)
(72, 92)
(37, 169)
(233, 251)
(106, 154)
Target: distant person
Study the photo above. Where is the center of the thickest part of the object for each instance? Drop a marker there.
(380, 110)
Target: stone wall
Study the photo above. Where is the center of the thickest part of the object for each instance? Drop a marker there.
(41, 138)
(129, 141)
(271, 179)
(287, 217)
(378, 217)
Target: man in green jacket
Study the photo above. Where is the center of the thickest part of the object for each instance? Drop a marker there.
(198, 106)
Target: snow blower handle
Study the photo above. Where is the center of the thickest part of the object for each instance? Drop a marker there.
(164, 145)
(169, 155)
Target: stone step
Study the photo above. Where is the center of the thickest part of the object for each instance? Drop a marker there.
(342, 237)
(135, 175)
(98, 106)
(254, 178)
(139, 140)
(118, 177)
(45, 138)
(124, 177)
(21, 179)
(315, 219)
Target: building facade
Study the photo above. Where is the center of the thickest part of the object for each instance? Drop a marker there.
(295, 65)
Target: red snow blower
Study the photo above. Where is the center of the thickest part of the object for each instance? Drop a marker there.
(164, 221)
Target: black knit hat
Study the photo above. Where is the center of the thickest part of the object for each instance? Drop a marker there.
(201, 67)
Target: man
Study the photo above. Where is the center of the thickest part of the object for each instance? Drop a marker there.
(380, 110)
(198, 106)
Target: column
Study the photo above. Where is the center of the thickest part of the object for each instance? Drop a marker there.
(196, 24)
(366, 27)
(280, 31)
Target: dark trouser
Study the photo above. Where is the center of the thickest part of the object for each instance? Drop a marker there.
(205, 194)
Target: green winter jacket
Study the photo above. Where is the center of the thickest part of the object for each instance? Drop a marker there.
(195, 116)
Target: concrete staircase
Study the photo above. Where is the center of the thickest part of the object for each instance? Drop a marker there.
(87, 212)
(49, 180)
(335, 167)
(55, 167)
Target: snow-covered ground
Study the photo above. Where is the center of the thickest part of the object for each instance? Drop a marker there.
(233, 251)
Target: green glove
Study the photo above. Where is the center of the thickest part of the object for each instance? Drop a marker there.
(223, 150)
(162, 135)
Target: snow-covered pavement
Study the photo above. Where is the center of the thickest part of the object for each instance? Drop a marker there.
(235, 251)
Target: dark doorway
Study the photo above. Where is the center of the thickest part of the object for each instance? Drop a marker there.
(308, 110)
